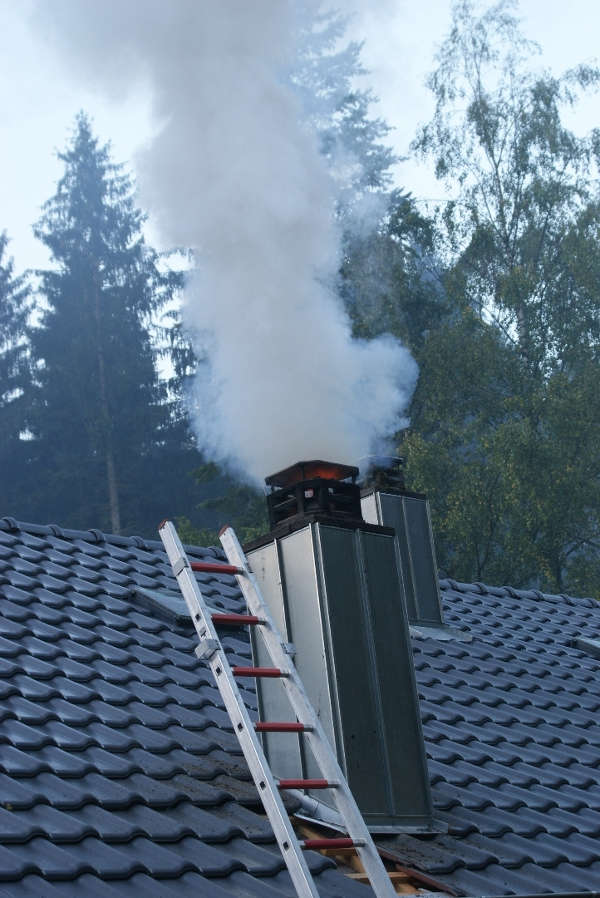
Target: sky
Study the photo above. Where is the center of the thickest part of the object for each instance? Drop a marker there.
(39, 99)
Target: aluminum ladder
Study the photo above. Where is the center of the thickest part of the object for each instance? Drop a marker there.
(211, 650)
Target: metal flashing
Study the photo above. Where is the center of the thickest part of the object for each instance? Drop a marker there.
(441, 633)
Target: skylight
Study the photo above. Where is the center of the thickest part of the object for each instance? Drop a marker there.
(164, 604)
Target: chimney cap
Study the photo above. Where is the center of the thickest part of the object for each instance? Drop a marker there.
(382, 472)
(309, 470)
(380, 461)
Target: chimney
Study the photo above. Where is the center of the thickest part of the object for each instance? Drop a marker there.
(386, 501)
(334, 585)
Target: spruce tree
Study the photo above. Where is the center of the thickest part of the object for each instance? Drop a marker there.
(325, 76)
(99, 409)
(390, 278)
(14, 375)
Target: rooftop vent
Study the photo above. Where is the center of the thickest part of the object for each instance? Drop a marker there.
(167, 605)
(334, 586)
(585, 644)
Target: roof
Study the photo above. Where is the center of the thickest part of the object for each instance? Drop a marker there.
(512, 726)
(119, 772)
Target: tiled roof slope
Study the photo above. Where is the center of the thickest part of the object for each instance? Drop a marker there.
(119, 773)
(511, 721)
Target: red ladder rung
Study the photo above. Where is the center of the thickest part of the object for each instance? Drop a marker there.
(305, 784)
(236, 619)
(258, 672)
(330, 843)
(209, 567)
(268, 726)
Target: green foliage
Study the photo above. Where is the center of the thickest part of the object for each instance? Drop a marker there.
(15, 376)
(100, 423)
(505, 421)
(191, 535)
(389, 276)
(234, 503)
(523, 185)
(325, 76)
(391, 279)
(513, 476)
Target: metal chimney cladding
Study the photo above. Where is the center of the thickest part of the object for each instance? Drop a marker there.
(386, 501)
(335, 591)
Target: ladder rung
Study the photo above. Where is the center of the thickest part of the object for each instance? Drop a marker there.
(237, 619)
(306, 784)
(267, 726)
(332, 843)
(258, 672)
(209, 567)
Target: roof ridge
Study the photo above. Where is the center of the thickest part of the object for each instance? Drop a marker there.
(12, 525)
(513, 592)
(91, 535)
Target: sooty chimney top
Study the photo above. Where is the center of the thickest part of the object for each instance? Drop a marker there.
(310, 490)
(382, 472)
(308, 470)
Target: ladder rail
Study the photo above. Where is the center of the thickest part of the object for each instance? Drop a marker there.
(317, 739)
(210, 649)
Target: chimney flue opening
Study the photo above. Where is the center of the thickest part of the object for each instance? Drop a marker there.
(382, 472)
(314, 489)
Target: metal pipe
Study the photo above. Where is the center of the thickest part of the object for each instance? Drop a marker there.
(317, 810)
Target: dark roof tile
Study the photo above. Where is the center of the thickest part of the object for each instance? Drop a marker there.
(34, 690)
(517, 694)
(77, 652)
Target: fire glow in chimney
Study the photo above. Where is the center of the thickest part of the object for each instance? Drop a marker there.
(334, 586)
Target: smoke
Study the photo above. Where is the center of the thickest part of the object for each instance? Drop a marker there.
(235, 173)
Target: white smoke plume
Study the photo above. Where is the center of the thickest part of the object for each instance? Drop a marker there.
(235, 173)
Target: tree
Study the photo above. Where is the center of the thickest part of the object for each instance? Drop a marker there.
(391, 277)
(228, 502)
(99, 406)
(325, 75)
(14, 377)
(523, 184)
(519, 491)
